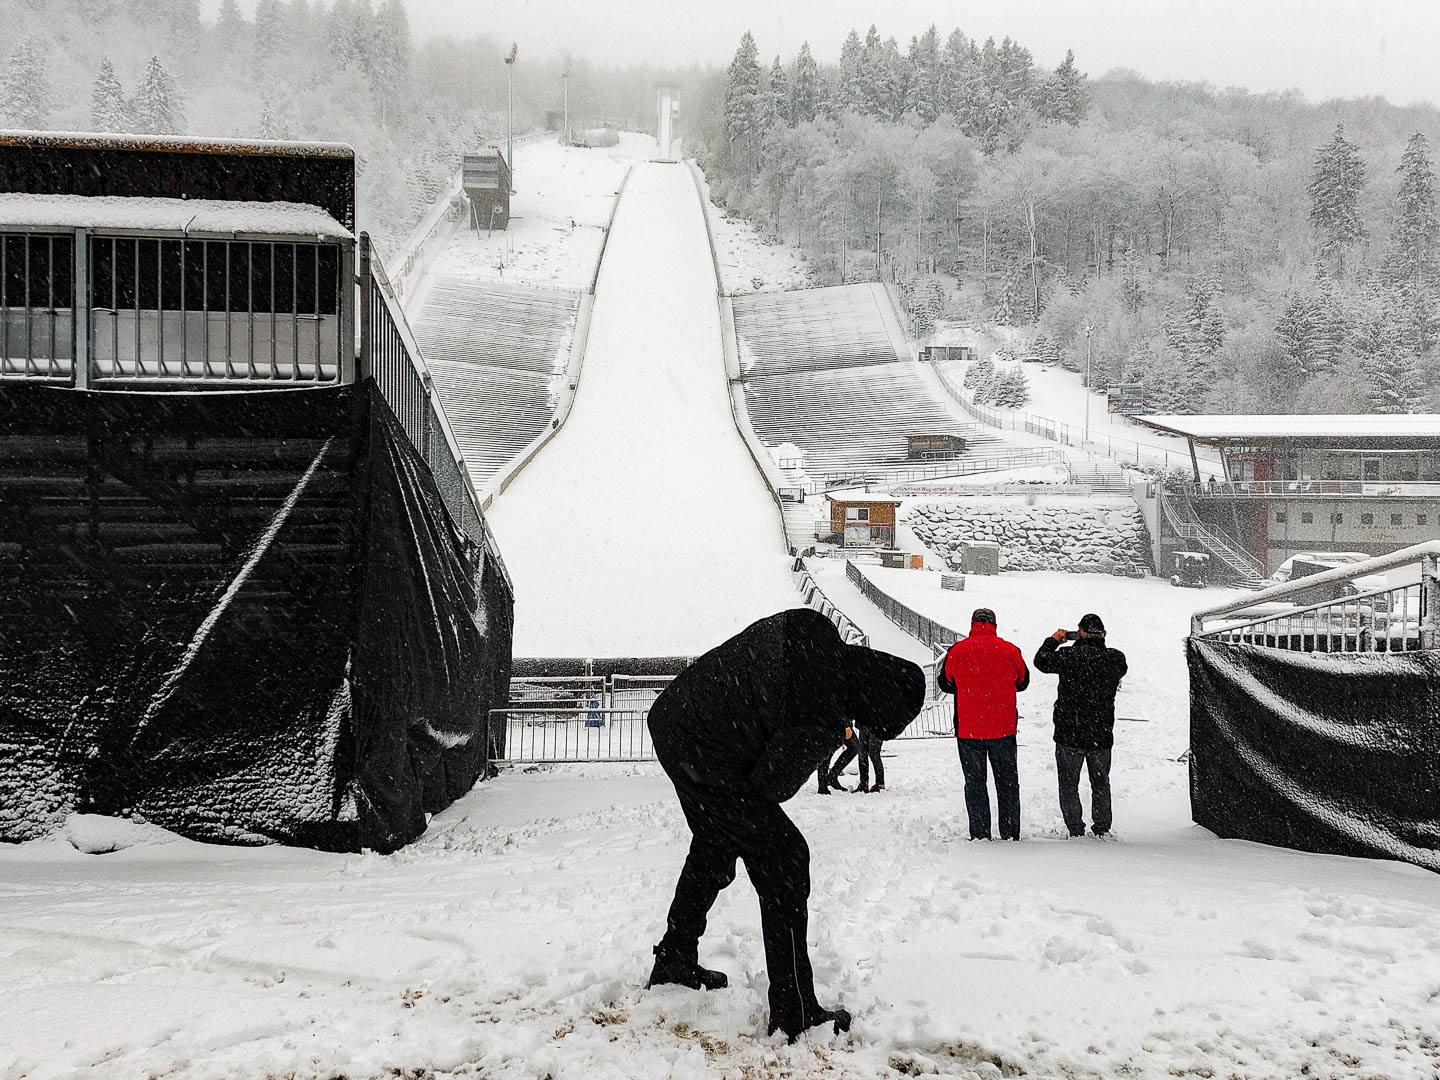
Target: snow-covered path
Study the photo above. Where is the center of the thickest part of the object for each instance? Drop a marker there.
(643, 527)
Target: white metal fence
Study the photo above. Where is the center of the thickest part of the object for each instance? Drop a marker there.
(1342, 619)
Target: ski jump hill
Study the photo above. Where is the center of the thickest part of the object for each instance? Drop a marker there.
(605, 428)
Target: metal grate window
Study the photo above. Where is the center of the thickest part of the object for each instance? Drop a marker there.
(37, 297)
(215, 309)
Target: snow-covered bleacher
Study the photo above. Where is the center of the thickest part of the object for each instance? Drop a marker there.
(820, 369)
(782, 333)
(498, 354)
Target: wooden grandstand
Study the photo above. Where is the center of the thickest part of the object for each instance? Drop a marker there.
(499, 355)
(823, 369)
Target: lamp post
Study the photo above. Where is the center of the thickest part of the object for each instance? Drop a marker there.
(565, 127)
(510, 112)
(1088, 331)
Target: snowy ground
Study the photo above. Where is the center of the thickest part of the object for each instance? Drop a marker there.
(513, 940)
(562, 201)
(750, 261)
(645, 509)
(1057, 395)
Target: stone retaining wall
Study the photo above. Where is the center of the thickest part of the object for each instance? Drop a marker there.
(1097, 539)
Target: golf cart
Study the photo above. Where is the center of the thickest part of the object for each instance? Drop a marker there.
(1191, 569)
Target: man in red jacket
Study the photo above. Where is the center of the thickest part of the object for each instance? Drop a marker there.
(985, 672)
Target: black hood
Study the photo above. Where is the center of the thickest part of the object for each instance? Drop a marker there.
(883, 692)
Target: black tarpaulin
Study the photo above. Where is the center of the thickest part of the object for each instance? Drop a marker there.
(245, 617)
(1324, 752)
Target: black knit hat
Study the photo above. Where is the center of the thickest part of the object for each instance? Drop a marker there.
(1091, 624)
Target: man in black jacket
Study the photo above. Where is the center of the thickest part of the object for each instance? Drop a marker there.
(738, 732)
(1090, 675)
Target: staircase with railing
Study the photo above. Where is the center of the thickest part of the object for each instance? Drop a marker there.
(1182, 520)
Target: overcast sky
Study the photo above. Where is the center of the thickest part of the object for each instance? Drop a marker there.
(1325, 48)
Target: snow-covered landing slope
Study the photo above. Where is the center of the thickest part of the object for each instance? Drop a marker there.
(643, 527)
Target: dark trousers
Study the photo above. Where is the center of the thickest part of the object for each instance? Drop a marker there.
(725, 825)
(1097, 763)
(1001, 755)
(870, 754)
(847, 754)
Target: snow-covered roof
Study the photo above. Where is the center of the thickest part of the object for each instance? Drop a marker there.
(183, 143)
(207, 216)
(1295, 425)
(859, 495)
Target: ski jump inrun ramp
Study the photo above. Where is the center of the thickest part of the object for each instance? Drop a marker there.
(643, 528)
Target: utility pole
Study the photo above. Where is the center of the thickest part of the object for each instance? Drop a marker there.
(510, 113)
(565, 129)
(1088, 331)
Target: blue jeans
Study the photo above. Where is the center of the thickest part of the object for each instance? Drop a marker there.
(1097, 763)
(1001, 755)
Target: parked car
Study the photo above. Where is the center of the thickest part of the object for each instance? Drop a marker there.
(1303, 564)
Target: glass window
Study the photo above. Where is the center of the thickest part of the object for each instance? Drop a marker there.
(1403, 468)
(1421, 519)
(1280, 517)
(1307, 518)
(1367, 519)
(1337, 519)
(1395, 519)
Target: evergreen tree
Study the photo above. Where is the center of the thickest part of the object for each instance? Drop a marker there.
(1064, 97)
(874, 78)
(269, 26)
(1417, 230)
(959, 80)
(1394, 377)
(850, 85)
(1335, 197)
(779, 93)
(804, 87)
(158, 108)
(1310, 332)
(107, 100)
(1011, 388)
(742, 94)
(980, 374)
(231, 23)
(25, 88)
(923, 96)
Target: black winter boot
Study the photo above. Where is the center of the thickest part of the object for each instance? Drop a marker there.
(813, 1017)
(670, 967)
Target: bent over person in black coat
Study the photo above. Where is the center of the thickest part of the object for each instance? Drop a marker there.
(738, 732)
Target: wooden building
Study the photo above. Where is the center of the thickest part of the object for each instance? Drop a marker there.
(862, 518)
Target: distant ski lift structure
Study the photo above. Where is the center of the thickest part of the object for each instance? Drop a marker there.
(485, 176)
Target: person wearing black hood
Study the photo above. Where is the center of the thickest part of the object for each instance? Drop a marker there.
(1090, 675)
(738, 732)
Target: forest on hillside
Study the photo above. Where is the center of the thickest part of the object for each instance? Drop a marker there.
(1236, 252)
(343, 71)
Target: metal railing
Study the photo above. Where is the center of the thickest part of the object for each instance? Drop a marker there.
(389, 355)
(1401, 618)
(1121, 450)
(1240, 562)
(898, 474)
(551, 735)
(923, 629)
(815, 598)
(1299, 489)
